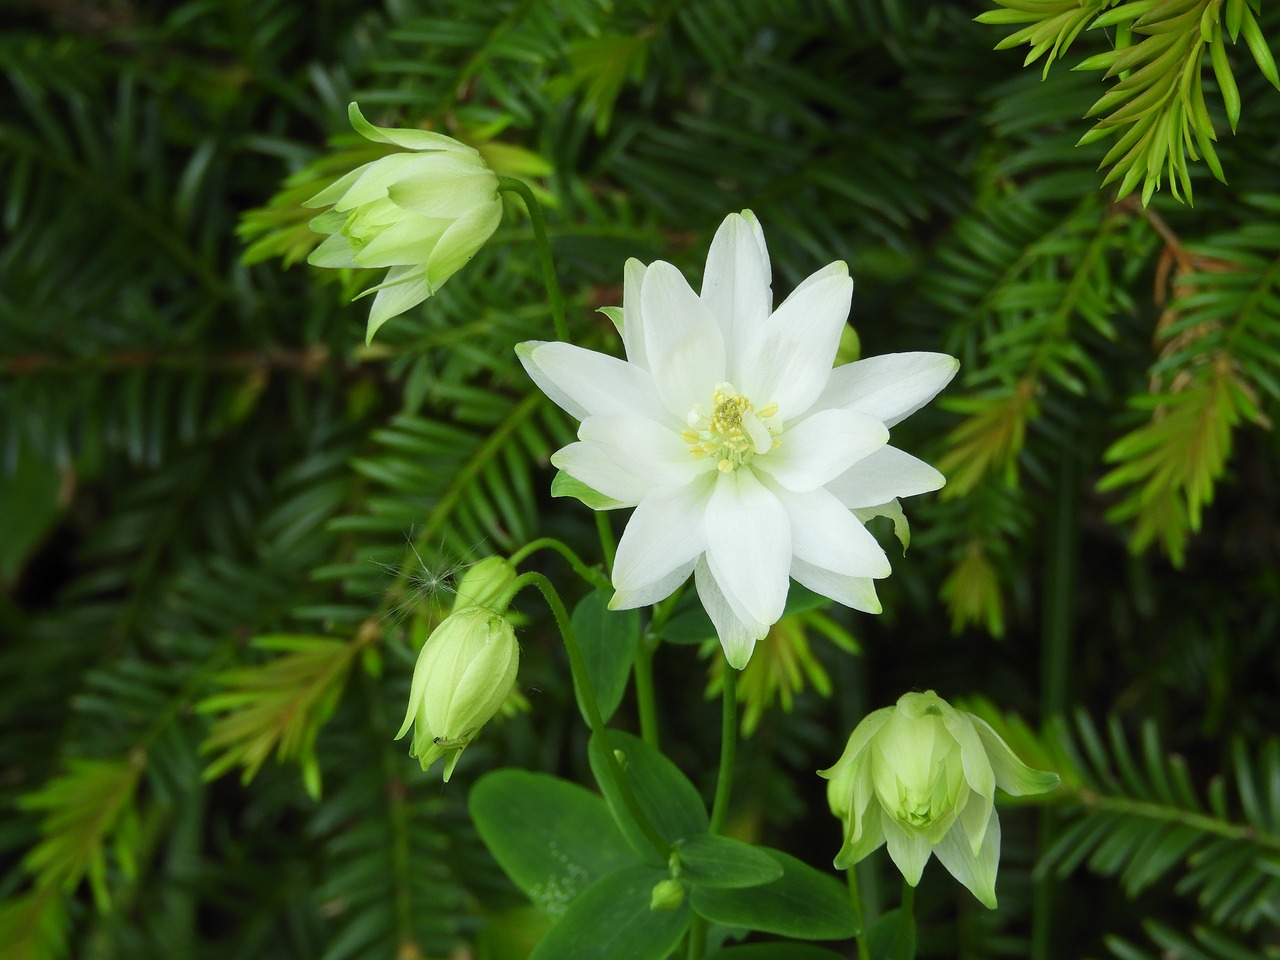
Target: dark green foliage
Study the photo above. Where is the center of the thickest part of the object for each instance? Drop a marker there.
(228, 524)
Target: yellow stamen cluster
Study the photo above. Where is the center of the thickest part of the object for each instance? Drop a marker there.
(734, 432)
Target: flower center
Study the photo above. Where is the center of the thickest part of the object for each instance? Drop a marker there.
(733, 432)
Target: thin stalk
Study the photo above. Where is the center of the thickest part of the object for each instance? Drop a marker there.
(728, 746)
(607, 544)
(592, 576)
(908, 898)
(579, 668)
(554, 297)
(697, 938)
(645, 702)
(859, 915)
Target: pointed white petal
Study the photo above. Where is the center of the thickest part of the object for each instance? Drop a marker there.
(590, 464)
(1012, 775)
(821, 447)
(909, 850)
(585, 383)
(737, 636)
(648, 450)
(632, 316)
(856, 592)
(334, 191)
(410, 139)
(975, 871)
(683, 343)
(827, 535)
(787, 359)
(403, 289)
(651, 593)
(749, 544)
(663, 535)
(892, 386)
(883, 475)
(736, 284)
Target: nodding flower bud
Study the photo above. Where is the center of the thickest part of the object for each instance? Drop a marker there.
(484, 583)
(921, 776)
(465, 671)
(422, 213)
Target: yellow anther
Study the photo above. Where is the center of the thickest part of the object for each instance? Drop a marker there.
(732, 434)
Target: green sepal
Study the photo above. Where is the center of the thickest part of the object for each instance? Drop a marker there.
(893, 936)
(553, 838)
(713, 861)
(802, 903)
(611, 920)
(564, 485)
(608, 640)
(664, 794)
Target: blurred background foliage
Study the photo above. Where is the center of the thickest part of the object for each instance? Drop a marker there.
(227, 523)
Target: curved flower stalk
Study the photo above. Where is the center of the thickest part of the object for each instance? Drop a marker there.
(423, 214)
(746, 456)
(922, 776)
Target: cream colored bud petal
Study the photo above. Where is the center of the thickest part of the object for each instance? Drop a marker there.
(375, 178)
(1012, 775)
(974, 819)
(461, 241)
(335, 191)
(867, 841)
(973, 754)
(334, 251)
(909, 851)
(410, 139)
(892, 386)
(483, 583)
(858, 741)
(450, 187)
(403, 289)
(977, 871)
(406, 241)
(883, 475)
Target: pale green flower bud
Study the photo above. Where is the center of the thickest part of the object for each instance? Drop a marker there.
(423, 214)
(484, 583)
(921, 776)
(666, 895)
(465, 671)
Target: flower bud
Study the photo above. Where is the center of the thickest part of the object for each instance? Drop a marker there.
(484, 583)
(666, 895)
(921, 777)
(423, 214)
(465, 671)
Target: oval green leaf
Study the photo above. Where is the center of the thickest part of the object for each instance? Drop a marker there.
(609, 640)
(713, 861)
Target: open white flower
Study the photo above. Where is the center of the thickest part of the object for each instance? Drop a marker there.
(747, 457)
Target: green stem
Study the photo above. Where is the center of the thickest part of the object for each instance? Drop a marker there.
(607, 543)
(908, 898)
(554, 296)
(728, 747)
(645, 702)
(697, 938)
(859, 915)
(592, 576)
(579, 667)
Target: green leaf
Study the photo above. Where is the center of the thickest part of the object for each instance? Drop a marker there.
(564, 485)
(553, 838)
(29, 503)
(893, 936)
(666, 796)
(802, 903)
(774, 951)
(713, 861)
(609, 640)
(611, 920)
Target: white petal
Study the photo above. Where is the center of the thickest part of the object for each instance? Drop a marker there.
(590, 464)
(856, 592)
(664, 534)
(736, 284)
(883, 475)
(648, 450)
(683, 343)
(1012, 775)
(632, 316)
(827, 535)
(651, 593)
(749, 544)
(892, 386)
(973, 754)
(909, 850)
(977, 872)
(585, 383)
(737, 636)
(787, 359)
(821, 447)
(403, 289)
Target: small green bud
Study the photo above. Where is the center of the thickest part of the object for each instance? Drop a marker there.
(423, 213)
(921, 776)
(484, 583)
(667, 895)
(464, 673)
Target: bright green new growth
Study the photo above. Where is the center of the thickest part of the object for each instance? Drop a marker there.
(423, 214)
(921, 776)
(465, 671)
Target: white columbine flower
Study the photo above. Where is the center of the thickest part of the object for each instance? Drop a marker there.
(747, 457)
